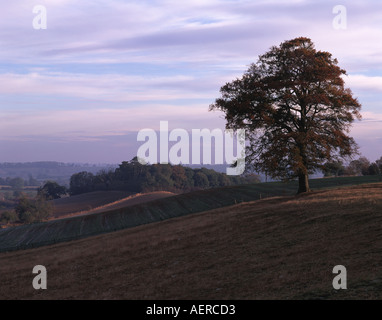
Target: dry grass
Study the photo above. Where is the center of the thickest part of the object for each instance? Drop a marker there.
(124, 202)
(84, 202)
(277, 248)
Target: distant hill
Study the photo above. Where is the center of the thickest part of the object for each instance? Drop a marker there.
(49, 170)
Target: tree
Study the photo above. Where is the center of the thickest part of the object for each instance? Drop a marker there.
(379, 164)
(201, 180)
(295, 109)
(33, 210)
(335, 168)
(8, 217)
(130, 174)
(52, 190)
(359, 167)
(179, 177)
(81, 182)
(373, 169)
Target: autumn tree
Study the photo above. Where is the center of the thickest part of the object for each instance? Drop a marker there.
(296, 111)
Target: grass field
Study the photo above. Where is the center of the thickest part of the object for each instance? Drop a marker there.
(77, 227)
(86, 201)
(131, 200)
(278, 248)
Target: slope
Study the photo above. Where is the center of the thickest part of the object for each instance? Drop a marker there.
(70, 208)
(35, 235)
(277, 248)
(86, 201)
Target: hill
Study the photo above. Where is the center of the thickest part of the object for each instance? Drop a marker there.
(86, 201)
(277, 248)
(49, 170)
(39, 234)
(102, 201)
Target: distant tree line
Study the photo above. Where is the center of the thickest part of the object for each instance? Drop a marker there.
(359, 167)
(19, 183)
(135, 177)
(48, 170)
(42, 165)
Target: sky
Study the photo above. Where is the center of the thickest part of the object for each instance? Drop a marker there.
(80, 89)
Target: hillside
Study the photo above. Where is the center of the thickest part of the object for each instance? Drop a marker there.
(29, 236)
(80, 226)
(86, 201)
(97, 202)
(277, 248)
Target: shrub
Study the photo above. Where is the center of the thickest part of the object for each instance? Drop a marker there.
(34, 210)
(8, 217)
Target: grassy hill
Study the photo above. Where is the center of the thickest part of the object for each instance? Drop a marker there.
(102, 201)
(86, 201)
(278, 248)
(29, 236)
(137, 198)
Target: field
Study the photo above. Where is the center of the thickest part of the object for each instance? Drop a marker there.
(283, 247)
(86, 201)
(7, 193)
(138, 198)
(81, 226)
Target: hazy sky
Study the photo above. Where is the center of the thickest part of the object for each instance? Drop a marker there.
(80, 90)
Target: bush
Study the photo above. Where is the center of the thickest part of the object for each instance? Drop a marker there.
(8, 217)
(35, 210)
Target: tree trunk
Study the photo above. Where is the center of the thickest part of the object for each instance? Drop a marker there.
(303, 183)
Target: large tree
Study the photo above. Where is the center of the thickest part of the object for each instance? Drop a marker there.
(295, 109)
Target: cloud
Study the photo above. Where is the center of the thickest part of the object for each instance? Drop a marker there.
(369, 128)
(78, 124)
(109, 87)
(364, 83)
(107, 66)
(208, 32)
